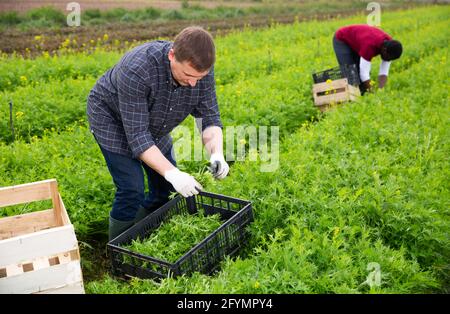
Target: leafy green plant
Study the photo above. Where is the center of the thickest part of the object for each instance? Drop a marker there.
(363, 186)
(285, 100)
(366, 183)
(176, 236)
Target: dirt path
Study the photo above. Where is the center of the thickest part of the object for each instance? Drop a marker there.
(34, 42)
(25, 5)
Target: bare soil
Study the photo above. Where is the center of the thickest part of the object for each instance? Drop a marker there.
(51, 40)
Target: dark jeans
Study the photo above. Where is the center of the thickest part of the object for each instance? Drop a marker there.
(128, 176)
(345, 55)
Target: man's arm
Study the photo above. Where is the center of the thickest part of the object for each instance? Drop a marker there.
(213, 140)
(135, 119)
(133, 107)
(383, 73)
(182, 182)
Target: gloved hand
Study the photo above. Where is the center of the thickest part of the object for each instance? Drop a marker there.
(182, 182)
(219, 166)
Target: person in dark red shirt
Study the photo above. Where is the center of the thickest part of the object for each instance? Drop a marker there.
(358, 44)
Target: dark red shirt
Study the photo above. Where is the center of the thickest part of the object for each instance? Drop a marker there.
(363, 39)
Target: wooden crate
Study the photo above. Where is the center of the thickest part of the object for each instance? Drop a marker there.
(331, 93)
(38, 251)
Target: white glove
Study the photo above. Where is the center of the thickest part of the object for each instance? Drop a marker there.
(182, 182)
(219, 166)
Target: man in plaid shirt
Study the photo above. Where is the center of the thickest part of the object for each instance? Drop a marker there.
(133, 107)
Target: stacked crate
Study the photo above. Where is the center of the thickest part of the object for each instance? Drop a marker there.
(336, 85)
(332, 93)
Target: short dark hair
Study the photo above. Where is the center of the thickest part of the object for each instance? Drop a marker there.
(195, 45)
(394, 49)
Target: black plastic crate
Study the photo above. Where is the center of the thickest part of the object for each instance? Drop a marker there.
(204, 257)
(349, 71)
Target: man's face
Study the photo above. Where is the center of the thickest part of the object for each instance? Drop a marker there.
(183, 72)
(384, 55)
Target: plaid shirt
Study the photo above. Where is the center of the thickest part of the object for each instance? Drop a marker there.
(135, 104)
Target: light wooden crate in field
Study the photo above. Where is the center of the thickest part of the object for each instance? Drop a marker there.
(38, 250)
(330, 93)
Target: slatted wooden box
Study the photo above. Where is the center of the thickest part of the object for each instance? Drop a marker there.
(331, 93)
(38, 251)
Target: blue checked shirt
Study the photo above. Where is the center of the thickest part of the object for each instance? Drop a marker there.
(136, 104)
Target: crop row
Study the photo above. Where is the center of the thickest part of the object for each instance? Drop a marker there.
(281, 97)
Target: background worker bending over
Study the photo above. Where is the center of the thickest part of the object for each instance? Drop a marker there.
(358, 44)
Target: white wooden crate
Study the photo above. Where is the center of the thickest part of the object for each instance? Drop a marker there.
(38, 251)
(331, 93)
